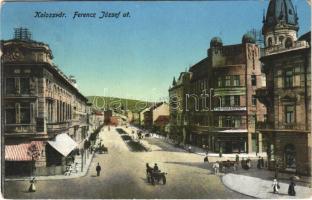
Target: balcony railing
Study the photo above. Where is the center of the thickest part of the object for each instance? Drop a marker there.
(58, 126)
(281, 48)
(230, 108)
(264, 125)
(20, 128)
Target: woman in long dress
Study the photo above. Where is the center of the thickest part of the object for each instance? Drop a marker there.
(275, 186)
(32, 187)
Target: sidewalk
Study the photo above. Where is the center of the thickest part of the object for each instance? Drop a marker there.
(202, 152)
(258, 183)
(74, 175)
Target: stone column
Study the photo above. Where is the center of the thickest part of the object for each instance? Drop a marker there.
(249, 142)
(260, 142)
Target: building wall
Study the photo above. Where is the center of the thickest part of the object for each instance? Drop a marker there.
(160, 110)
(39, 100)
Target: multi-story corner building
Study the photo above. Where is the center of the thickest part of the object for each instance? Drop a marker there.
(42, 109)
(287, 95)
(177, 107)
(221, 105)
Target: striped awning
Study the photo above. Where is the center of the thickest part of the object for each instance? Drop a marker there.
(20, 152)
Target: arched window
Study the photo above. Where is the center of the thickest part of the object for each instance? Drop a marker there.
(270, 42)
(281, 38)
(290, 156)
(288, 42)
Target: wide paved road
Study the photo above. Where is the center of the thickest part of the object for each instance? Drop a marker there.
(123, 176)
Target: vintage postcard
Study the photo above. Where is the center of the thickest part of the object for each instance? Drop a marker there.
(156, 99)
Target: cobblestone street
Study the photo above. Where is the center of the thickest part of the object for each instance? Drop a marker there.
(123, 176)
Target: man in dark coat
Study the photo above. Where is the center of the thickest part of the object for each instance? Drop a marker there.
(291, 188)
(98, 169)
(156, 167)
(262, 162)
(259, 163)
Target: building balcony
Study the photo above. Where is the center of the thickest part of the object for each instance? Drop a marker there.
(230, 108)
(231, 90)
(20, 128)
(281, 48)
(264, 125)
(58, 126)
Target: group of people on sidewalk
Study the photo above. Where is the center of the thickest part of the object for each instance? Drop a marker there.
(291, 187)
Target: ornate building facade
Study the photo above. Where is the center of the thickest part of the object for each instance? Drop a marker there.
(287, 95)
(221, 108)
(41, 108)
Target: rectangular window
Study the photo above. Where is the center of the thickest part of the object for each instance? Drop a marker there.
(253, 80)
(24, 85)
(254, 100)
(232, 101)
(236, 100)
(252, 119)
(25, 113)
(236, 81)
(227, 80)
(289, 112)
(219, 81)
(10, 114)
(237, 121)
(265, 117)
(288, 79)
(226, 101)
(10, 86)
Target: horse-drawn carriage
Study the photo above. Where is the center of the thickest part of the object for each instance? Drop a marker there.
(101, 149)
(227, 165)
(156, 177)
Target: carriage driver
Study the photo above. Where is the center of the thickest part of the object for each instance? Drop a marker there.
(156, 169)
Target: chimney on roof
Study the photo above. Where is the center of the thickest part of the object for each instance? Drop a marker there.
(22, 34)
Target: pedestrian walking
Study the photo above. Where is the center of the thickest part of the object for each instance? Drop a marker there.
(206, 159)
(291, 188)
(98, 169)
(190, 149)
(216, 167)
(32, 187)
(259, 163)
(262, 162)
(275, 186)
(237, 158)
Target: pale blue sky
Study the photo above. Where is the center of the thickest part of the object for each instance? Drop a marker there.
(136, 57)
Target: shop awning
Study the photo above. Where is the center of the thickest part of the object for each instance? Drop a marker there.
(63, 144)
(19, 152)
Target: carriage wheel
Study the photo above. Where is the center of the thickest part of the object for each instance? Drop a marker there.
(164, 179)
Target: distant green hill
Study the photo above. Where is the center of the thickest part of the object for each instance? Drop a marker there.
(99, 103)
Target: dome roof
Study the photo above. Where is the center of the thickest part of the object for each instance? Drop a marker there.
(280, 12)
(216, 42)
(248, 38)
